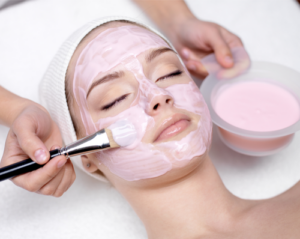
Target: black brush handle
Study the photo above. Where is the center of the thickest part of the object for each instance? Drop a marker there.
(24, 166)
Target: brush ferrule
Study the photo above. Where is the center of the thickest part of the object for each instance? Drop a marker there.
(89, 144)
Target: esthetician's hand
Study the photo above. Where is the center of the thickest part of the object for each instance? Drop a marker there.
(33, 134)
(194, 39)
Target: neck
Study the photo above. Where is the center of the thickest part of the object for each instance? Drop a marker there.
(188, 208)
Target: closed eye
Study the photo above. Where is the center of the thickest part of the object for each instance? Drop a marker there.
(175, 73)
(115, 102)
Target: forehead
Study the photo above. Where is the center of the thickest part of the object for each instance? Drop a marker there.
(107, 45)
(108, 48)
(86, 40)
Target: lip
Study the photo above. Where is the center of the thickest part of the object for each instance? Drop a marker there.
(172, 126)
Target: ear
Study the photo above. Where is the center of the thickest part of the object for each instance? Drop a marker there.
(88, 164)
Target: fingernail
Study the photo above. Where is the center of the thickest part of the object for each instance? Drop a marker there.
(61, 163)
(228, 59)
(192, 67)
(55, 147)
(201, 68)
(40, 156)
(185, 54)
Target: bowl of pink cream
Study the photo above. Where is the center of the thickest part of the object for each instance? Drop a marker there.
(257, 112)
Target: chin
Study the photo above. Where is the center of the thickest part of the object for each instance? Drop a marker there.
(173, 176)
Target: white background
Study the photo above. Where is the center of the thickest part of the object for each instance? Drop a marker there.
(30, 34)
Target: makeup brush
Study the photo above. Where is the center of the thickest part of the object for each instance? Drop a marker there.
(120, 134)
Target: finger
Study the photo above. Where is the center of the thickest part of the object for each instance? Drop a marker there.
(242, 63)
(185, 53)
(221, 50)
(50, 187)
(231, 39)
(196, 69)
(73, 177)
(34, 180)
(193, 62)
(12, 151)
(30, 143)
(188, 54)
(67, 180)
(56, 146)
(238, 69)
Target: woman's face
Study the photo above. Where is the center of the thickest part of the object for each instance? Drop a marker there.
(125, 72)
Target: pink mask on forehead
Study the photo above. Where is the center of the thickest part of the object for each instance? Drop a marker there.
(122, 45)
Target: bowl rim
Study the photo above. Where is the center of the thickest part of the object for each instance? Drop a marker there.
(210, 83)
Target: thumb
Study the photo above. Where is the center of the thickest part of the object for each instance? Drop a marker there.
(222, 51)
(193, 61)
(29, 133)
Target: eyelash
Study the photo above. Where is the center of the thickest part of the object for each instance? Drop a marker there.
(123, 97)
(175, 73)
(110, 105)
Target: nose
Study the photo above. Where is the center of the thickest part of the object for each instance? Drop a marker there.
(160, 103)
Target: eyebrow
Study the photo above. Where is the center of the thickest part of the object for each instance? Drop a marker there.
(153, 54)
(157, 52)
(109, 77)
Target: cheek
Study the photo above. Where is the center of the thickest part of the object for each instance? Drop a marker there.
(100, 100)
(188, 97)
(143, 161)
(139, 160)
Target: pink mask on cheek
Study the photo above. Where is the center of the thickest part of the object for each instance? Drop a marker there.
(138, 161)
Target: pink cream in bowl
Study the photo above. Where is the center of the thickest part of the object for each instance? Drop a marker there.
(258, 111)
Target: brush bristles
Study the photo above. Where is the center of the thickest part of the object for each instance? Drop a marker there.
(110, 137)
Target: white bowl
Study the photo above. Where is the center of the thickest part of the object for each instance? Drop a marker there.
(252, 142)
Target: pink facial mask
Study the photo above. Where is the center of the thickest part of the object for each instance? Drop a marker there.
(121, 46)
